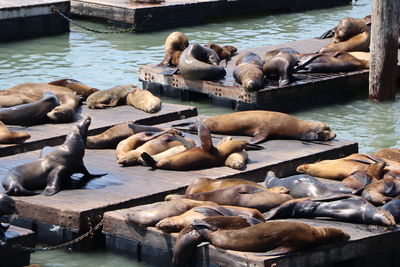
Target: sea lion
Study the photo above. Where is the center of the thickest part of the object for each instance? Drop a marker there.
(263, 125)
(249, 71)
(237, 160)
(242, 195)
(115, 134)
(109, 97)
(52, 170)
(393, 206)
(175, 43)
(224, 53)
(11, 98)
(189, 237)
(177, 223)
(200, 63)
(7, 208)
(31, 113)
(280, 62)
(81, 89)
(345, 208)
(11, 137)
(389, 153)
(277, 237)
(167, 153)
(380, 192)
(360, 179)
(152, 214)
(143, 100)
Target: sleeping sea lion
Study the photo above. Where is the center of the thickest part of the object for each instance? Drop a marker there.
(11, 137)
(280, 62)
(225, 52)
(380, 192)
(143, 100)
(389, 153)
(109, 97)
(249, 71)
(175, 43)
(76, 86)
(10, 98)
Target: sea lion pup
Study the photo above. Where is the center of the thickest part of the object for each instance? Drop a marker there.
(53, 169)
(7, 208)
(346, 208)
(198, 157)
(242, 195)
(225, 52)
(393, 206)
(235, 160)
(11, 137)
(389, 153)
(143, 100)
(153, 213)
(277, 237)
(109, 97)
(177, 223)
(351, 34)
(280, 62)
(115, 134)
(175, 43)
(31, 113)
(81, 89)
(189, 238)
(380, 192)
(200, 63)
(249, 71)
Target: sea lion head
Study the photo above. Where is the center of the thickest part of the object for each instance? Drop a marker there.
(333, 235)
(61, 114)
(347, 28)
(317, 131)
(83, 126)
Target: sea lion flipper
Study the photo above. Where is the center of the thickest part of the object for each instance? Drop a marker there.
(331, 197)
(149, 160)
(199, 224)
(205, 136)
(54, 181)
(213, 211)
(251, 220)
(259, 137)
(250, 190)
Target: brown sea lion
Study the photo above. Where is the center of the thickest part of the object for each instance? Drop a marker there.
(109, 97)
(225, 52)
(200, 63)
(175, 43)
(115, 134)
(380, 192)
(277, 237)
(189, 238)
(11, 137)
(81, 89)
(177, 223)
(280, 62)
(143, 100)
(152, 214)
(52, 170)
(242, 195)
(347, 208)
(249, 71)
(7, 208)
(11, 98)
(167, 153)
(237, 160)
(389, 153)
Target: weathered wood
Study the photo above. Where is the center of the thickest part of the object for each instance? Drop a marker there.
(173, 13)
(10, 257)
(22, 19)
(384, 49)
(54, 134)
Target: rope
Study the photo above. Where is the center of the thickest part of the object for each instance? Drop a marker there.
(67, 244)
(89, 29)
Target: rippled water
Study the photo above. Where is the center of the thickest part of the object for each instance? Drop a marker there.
(104, 60)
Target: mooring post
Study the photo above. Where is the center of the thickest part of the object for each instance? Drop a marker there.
(384, 46)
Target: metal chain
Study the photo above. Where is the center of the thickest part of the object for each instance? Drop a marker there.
(67, 244)
(89, 29)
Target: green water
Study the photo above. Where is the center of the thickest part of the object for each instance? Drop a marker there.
(105, 60)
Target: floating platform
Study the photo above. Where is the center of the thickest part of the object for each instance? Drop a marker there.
(54, 134)
(369, 246)
(67, 214)
(11, 257)
(307, 90)
(23, 19)
(175, 13)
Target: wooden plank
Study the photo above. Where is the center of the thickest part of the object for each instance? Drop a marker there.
(10, 257)
(173, 13)
(54, 134)
(303, 92)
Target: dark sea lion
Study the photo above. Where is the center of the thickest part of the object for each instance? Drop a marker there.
(81, 89)
(52, 170)
(109, 97)
(11, 137)
(380, 192)
(389, 153)
(346, 208)
(249, 71)
(393, 206)
(177, 223)
(115, 134)
(200, 63)
(31, 113)
(280, 62)
(7, 208)
(143, 100)
(152, 214)
(241, 195)
(277, 237)
(175, 43)
(189, 237)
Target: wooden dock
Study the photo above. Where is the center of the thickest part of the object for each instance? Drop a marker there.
(54, 134)
(23, 19)
(368, 246)
(175, 13)
(68, 212)
(11, 257)
(308, 89)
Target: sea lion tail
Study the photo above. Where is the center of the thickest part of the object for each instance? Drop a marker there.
(149, 160)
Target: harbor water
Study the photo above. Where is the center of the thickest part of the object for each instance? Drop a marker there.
(106, 60)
